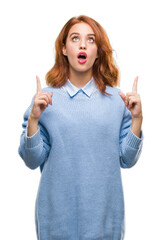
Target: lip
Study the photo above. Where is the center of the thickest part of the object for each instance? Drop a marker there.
(83, 53)
(80, 60)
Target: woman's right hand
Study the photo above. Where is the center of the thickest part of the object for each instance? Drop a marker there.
(41, 101)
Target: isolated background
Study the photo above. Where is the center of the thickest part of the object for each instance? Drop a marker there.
(28, 33)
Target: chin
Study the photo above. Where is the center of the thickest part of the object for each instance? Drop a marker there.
(82, 68)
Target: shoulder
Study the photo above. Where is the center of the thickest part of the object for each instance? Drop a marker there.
(114, 91)
(48, 89)
(117, 100)
(115, 97)
(51, 89)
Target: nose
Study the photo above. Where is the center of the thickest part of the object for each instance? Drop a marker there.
(82, 44)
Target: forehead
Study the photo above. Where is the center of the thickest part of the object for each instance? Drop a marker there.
(81, 28)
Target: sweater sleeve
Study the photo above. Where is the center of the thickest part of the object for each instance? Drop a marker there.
(130, 145)
(34, 150)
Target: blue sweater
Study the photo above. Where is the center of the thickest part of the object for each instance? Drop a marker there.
(82, 142)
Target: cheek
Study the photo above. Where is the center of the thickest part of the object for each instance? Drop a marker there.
(71, 51)
(94, 52)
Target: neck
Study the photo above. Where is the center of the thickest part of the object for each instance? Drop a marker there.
(80, 79)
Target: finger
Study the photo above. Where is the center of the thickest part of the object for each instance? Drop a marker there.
(127, 99)
(131, 102)
(46, 96)
(131, 94)
(39, 89)
(40, 102)
(43, 102)
(134, 89)
(49, 95)
(122, 95)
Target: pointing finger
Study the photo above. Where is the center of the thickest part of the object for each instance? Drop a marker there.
(39, 89)
(134, 89)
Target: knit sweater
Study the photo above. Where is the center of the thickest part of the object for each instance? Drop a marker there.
(82, 142)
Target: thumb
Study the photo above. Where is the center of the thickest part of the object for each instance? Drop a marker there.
(122, 95)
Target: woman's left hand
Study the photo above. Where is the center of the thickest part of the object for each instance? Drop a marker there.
(133, 101)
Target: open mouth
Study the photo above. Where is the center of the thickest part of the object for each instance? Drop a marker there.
(82, 57)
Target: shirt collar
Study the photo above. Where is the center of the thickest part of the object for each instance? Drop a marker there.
(87, 89)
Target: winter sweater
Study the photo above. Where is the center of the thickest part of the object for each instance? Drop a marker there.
(82, 142)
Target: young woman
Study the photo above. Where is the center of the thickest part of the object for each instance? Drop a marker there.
(80, 131)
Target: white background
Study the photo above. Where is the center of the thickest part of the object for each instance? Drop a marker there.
(28, 33)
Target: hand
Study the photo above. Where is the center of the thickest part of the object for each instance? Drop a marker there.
(132, 101)
(41, 101)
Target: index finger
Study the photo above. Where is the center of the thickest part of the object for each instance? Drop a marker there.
(39, 89)
(134, 89)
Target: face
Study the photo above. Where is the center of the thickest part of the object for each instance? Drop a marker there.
(80, 49)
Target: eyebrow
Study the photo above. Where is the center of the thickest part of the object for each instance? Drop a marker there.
(90, 34)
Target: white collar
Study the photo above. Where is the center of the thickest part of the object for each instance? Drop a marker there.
(87, 89)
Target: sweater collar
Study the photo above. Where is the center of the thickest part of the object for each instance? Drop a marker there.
(87, 89)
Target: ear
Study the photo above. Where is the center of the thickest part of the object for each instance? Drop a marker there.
(64, 50)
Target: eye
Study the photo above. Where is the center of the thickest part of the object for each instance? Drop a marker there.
(75, 38)
(91, 39)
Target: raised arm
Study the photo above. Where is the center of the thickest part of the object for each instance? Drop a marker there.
(133, 102)
(41, 102)
(131, 135)
(34, 145)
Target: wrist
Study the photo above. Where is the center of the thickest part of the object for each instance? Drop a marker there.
(32, 119)
(32, 126)
(137, 122)
(136, 125)
(139, 118)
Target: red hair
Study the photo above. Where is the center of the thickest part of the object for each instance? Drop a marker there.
(104, 70)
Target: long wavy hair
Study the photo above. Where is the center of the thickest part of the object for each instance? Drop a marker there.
(104, 70)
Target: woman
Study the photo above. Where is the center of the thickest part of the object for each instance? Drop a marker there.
(81, 130)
